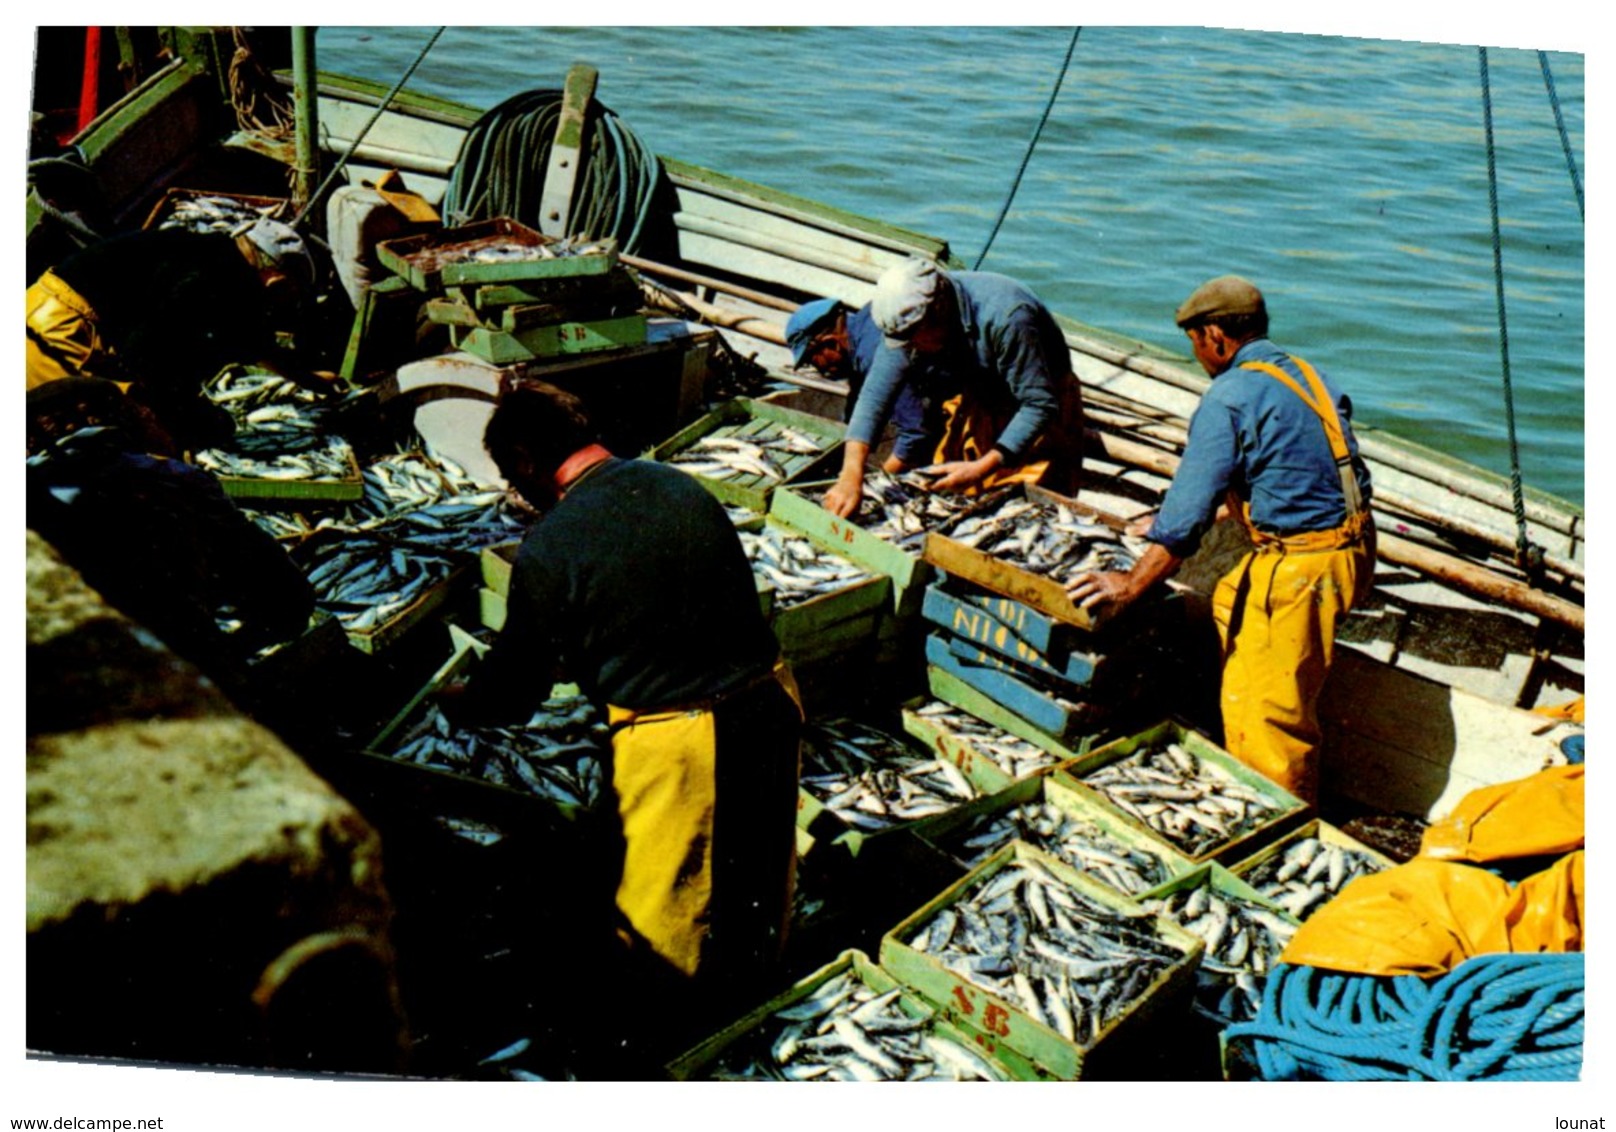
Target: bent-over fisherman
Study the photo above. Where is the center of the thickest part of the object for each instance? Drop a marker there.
(634, 585)
(158, 538)
(841, 343)
(161, 311)
(983, 348)
(1273, 437)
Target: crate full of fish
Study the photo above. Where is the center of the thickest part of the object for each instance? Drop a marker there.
(376, 585)
(283, 448)
(556, 758)
(204, 211)
(1305, 870)
(1046, 961)
(745, 448)
(989, 756)
(500, 250)
(1057, 710)
(886, 533)
(1029, 545)
(1186, 790)
(848, 1021)
(858, 782)
(821, 605)
(1044, 813)
(1244, 936)
(950, 689)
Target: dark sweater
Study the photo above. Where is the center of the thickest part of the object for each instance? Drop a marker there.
(635, 586)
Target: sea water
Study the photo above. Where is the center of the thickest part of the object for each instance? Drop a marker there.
(1348, 177)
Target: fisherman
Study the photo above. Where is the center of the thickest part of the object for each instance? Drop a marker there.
(161, 311)
(634, 586)
(841, 343)
(158, 538)
(1273, 438)
(985, 349)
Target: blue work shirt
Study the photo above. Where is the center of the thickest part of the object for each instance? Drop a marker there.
(916, 441)
(1006, 351)
(1252, 433)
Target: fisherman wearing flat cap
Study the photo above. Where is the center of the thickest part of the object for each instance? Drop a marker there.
(984, 350)
(840, 344)
(1273, 437)
(161, 311)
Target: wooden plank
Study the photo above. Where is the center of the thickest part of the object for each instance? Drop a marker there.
(555, 205)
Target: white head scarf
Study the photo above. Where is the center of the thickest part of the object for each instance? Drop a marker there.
(903, 295)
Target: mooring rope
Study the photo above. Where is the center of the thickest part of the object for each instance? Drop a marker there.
(1565, 140)
(1031, 145)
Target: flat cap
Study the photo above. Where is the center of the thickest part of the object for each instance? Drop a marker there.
(1227, 294)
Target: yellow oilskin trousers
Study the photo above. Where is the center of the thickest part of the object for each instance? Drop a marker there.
(664, 775)
(970, 429)
(1276, 614)
(62, 337)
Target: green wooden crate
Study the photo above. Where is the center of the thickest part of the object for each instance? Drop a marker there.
(744, 419)
(962, 1000)
(1291, 813)
(563, 338)
(614, 287)
(699, 1062)
(434, 260)
(910, 573)
(951, 689)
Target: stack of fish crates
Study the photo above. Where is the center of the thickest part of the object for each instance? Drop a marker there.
(509, 294)
(1003, 625)
(745, 449)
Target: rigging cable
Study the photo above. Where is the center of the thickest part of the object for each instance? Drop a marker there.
(1565, 141)
(1527, 556)
(352, 148)
(1031, 145)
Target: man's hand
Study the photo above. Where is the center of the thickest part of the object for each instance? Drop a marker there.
(1110, 588)
(959, 475)
(844, 495)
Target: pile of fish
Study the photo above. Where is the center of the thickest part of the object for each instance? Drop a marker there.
(1010, 753)
(558, 754)
(872, 780)
(758, 457)
(514, 251)
(1044, 538)
(367, 579)
(845, 1031)
(1243, 941)
(1066, 960)
(1080, 842)
(281, 432)
(899, 509)
(1308, 874)
(1190, 802)
(797, 569)
(216, 214)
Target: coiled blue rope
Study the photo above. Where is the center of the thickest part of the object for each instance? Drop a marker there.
(1495, 1017)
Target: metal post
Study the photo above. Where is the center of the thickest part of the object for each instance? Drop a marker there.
(305, 109)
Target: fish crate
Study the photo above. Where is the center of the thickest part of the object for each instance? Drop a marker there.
(500, 347)
(943, 684)
(1046, 595)
(1286, 812)
(432, 261)
(970, 751)
(750, 1048)
(274, 208)
(840, 622)
(858, 831)
(614, 289)
(372, 639)
(1007, 1022)
(499, 801)
(1065, 718)
(994, 821)
(747, 421)
(1304, 892)
(267, 490)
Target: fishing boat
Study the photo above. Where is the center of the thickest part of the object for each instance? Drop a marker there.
(1476, 626)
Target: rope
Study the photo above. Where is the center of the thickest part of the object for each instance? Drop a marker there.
(360, 137)
(1565, 140)
(506, 154)
(1527, 556)
(1494, 1017)
(1031, 145)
